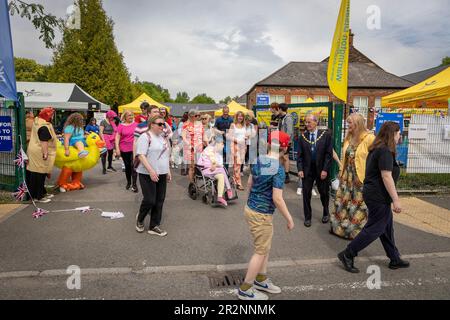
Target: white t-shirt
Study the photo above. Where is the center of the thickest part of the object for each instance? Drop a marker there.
(158, 153)
(239, 134)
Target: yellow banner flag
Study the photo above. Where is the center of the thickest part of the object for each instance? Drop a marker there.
(338, 64)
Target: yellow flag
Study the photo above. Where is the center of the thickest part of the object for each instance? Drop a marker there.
(338, 64)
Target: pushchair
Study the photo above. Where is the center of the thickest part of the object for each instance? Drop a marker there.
(206, 188)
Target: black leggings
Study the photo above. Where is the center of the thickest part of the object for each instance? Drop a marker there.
(110, 158)
(154, 196)
(130, 173)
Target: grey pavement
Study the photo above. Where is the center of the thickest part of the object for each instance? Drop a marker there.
(200, 239)
(442, 201)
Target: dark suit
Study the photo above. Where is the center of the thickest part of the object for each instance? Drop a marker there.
(313, 169)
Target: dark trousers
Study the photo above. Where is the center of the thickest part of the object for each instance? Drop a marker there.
(130, 173)
(323, 187)
(154, 196)
(379, 225)
(36, 184)
(108, 154)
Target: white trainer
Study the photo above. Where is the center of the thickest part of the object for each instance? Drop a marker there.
(267, 286)
(299, 191)
(314, 193)
(252, 294)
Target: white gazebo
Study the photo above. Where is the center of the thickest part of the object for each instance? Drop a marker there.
(60, 96)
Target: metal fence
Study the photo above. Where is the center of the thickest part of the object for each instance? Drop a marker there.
(10, 175)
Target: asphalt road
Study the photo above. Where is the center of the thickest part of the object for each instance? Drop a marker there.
(118, 263)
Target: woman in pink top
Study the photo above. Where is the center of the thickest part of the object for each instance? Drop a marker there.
(108, 131)
(124, 147)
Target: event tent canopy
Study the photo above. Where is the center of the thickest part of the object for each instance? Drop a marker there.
(434, 92)
(135, 106)
(61, 96)
(234, 108)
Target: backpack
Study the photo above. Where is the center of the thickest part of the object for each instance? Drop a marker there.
(136, 160)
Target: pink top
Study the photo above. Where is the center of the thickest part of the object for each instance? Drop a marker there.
(126, 133)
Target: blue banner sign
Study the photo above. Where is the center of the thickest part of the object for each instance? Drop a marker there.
(6, 134)
(386, 117)
(263, 100)
(7, 73)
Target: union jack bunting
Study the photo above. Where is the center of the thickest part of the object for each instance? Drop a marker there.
(39, 213)
(20, 159)
(21, 192)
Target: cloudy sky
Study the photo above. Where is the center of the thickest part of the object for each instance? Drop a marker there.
(223, 47)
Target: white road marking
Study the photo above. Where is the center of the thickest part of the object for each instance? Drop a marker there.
(343, 286)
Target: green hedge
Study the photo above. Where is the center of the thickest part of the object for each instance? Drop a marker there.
(424, 181)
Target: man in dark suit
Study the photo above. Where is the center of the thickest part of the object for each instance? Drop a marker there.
(315, 156)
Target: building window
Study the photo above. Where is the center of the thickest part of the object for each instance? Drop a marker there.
(378, 103)
(321, 98)
(298, 99)
(362, 105)
(277, 99)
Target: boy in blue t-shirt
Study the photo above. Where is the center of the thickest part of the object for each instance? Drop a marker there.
(266, 184)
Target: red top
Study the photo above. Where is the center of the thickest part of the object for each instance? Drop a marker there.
(140, 118)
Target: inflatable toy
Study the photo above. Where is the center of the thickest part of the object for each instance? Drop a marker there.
(73, 167)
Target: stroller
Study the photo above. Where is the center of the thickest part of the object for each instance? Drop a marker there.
(206, 187)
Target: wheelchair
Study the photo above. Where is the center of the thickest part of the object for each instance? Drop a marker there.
(206, 188)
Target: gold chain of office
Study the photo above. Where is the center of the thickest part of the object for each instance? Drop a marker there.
(317, 140)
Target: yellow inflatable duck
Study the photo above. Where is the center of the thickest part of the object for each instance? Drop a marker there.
(72, 167)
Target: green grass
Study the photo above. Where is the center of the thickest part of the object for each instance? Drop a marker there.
(6, 198)
(424, 181)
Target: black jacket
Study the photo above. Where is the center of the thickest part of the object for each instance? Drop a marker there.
(324, 158)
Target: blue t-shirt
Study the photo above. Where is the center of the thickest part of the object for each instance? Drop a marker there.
(267, 174)
(223, 124)
(77, 134)
(91, 128)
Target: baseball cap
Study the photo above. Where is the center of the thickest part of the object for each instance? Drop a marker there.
(280, 136)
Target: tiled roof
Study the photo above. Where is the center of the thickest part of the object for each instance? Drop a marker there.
(314, 74)
(423, 75)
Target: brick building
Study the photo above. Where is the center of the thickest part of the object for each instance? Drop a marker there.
(298, 81)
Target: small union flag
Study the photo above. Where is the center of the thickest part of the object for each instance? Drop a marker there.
(21, 192)
(39, 213)
(20, 159)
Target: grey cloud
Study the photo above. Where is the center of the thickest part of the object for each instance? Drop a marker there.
(247, 40)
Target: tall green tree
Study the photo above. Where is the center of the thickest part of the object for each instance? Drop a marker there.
(89, 57)
(182, 97)
(203, 99)
(445, 61)
(30, 70)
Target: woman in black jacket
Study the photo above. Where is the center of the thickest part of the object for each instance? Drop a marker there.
(379, 192)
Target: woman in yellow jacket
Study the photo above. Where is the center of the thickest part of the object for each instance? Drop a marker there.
(350, 212)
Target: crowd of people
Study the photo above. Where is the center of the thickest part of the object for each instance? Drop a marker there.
(151, 144)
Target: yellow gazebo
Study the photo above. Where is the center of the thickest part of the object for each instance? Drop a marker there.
(234, 108)
(135, 106)
(433, 92)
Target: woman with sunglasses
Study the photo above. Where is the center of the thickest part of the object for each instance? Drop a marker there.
(153, 151)
(165, 114)
(209, 130)
(193, 141)
(379, 193)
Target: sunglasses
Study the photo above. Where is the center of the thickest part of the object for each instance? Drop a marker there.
(161, 124)
(197, 116)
